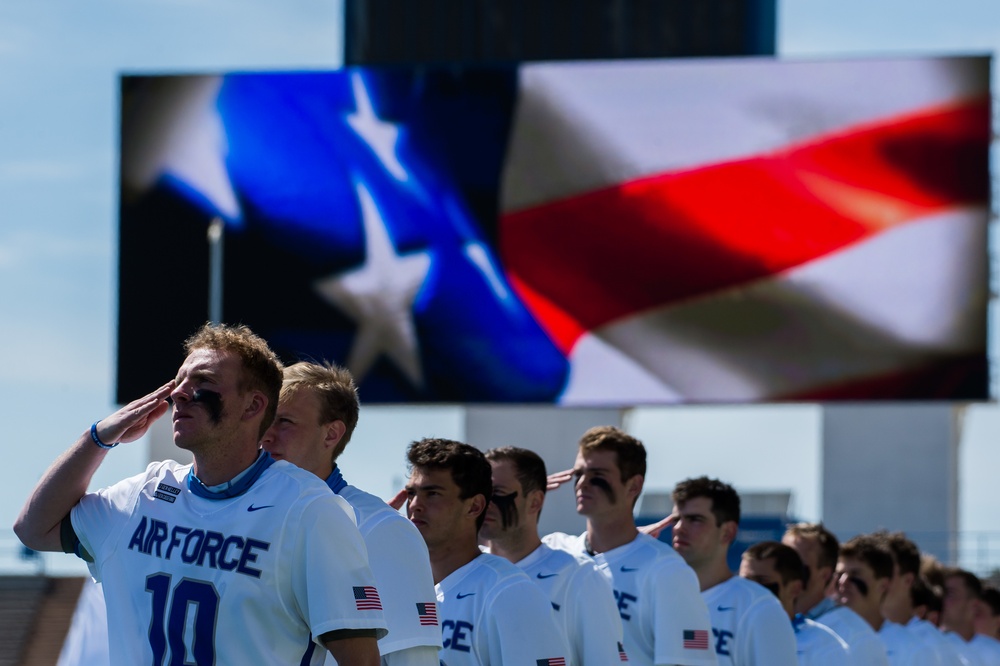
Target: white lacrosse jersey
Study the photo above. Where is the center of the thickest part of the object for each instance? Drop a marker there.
(749, 626)
(903, 647)
(493, 615)
(819, 645)
(248, 579)
(584, 604)
(987, 647)
(933, 639)
(664, 617)
(864, 643)
(398, 557)
(970, 656)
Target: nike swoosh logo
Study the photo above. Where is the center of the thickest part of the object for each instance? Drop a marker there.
(542, 576)
(725, 608)
(258, 508)
(626, 569)
(462, 596)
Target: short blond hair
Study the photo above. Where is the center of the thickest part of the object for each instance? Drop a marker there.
(334, 387)
(261, 368)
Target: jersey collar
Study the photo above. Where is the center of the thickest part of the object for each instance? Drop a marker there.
(336, 480)
(235, 487)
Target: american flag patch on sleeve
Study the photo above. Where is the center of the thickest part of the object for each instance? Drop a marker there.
(428, 614)
(557, 661)
(366, 598)
(695, 639)
(621, 653)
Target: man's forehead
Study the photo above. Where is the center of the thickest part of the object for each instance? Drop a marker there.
(504, 474)
(852, 564)
(758, 567)
(596, 460)
(202, 359)
(700, 506)
(300, 401)
(432, 476)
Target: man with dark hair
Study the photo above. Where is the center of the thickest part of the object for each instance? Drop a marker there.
(862, 577)
(987, 626)
(898, 606)
(234, 559)
(819, 549)
(317, 413)
(664, 617)
(491, 613)
(779, 568)
(748, 623)
(927, 602)
(580, 594)
(866, 574)
(962, 590)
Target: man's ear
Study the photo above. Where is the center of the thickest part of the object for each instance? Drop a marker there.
(477, 505)
(882, 586)
(255, 406)
(729, 530)
(334, 432)
(633, 487)
(828, 575)
(535, 499)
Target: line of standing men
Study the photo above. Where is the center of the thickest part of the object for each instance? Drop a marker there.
(422, 591)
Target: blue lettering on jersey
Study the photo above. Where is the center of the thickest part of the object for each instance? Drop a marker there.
(623, 599)
(199, 547)
(460, 636)
(722, 639)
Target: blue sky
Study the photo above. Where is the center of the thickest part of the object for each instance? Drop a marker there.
(59, 62)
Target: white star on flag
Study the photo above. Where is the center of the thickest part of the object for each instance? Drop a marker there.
(378, 295)
(380, 136)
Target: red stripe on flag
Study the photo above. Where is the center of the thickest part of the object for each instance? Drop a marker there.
(585, 261)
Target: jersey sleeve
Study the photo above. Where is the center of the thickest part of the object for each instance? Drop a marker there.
(768, 635)
(682, 629)
(521, 629)
(99, 517)
(594, 625)
(399, 560)
(332, 584)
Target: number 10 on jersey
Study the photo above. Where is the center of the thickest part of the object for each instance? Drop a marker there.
(170, 620)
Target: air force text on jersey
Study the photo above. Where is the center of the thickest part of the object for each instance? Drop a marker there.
(203, 548)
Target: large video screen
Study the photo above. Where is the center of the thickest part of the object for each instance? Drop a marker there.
(600, 233)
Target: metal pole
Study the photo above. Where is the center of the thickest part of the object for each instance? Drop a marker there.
(215, 230)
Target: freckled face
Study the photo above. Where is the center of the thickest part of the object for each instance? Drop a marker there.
(198, 424)
(297, 434)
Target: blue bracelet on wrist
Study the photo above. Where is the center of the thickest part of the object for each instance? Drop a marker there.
(97, 440)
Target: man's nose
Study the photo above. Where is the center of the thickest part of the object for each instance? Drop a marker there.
(181, 392)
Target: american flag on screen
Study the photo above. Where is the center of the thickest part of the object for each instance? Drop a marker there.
(795, 230)
(618, 233)
(428, 614)
(366, 598)
(695, 639)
